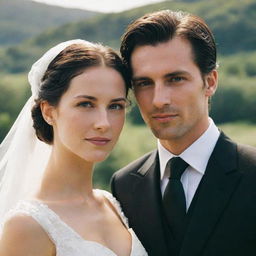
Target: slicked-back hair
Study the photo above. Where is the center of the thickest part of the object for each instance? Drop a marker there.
(162, 26)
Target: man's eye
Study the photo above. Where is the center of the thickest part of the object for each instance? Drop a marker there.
(141, 83)
(85, 104)
(176, 79)
(116, 106)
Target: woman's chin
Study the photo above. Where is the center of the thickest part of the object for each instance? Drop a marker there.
(97, 158)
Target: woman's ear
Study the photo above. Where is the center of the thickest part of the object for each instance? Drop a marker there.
(211, 83)
(47, 112)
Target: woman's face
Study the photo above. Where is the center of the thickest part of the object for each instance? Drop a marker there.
(90, 115)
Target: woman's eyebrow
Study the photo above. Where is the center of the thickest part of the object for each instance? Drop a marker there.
(119, 99)
(87, 97)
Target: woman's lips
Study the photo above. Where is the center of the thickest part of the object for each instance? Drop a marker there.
(99, 141)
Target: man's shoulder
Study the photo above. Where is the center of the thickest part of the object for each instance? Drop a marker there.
(135, 165)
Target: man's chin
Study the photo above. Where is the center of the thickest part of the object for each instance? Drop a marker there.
(164, 134)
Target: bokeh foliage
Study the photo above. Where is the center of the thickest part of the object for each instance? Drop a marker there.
(233, 106)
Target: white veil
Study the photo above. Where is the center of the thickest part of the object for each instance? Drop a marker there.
(23, 157)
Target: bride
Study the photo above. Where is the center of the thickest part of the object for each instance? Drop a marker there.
(47, 202)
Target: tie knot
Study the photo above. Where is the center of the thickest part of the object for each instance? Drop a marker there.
(177, 166)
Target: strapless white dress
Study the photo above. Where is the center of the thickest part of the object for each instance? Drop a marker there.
(67, 241)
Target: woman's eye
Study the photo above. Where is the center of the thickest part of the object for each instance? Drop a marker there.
(86, 104)
(116, 106)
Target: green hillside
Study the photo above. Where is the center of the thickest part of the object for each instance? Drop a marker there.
(144, 141)
(22, 19)
(233, 24)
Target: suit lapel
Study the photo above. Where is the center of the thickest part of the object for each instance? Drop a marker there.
(216, 188)
(148, 200)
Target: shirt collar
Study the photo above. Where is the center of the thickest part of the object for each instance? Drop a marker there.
(197, 154)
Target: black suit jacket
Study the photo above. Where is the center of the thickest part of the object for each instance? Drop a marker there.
(223, 221)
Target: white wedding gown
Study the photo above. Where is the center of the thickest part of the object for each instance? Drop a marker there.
(67, 241)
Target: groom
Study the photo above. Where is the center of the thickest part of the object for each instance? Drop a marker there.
(196, 193)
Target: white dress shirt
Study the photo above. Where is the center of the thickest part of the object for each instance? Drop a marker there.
(196, 155)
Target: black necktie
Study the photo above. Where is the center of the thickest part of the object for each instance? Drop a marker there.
(174, 201)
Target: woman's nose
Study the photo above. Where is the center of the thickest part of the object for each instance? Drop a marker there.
(102, 121)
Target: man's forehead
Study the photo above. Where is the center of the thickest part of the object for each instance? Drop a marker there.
(167, 57)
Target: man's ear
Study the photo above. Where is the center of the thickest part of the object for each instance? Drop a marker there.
(47, 112)
(211, 83)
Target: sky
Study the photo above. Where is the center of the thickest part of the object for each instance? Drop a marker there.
(100, 5)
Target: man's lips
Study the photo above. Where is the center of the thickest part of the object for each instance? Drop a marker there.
(99, 141)
(164, 117)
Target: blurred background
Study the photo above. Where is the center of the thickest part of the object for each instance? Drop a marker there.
(28, 28)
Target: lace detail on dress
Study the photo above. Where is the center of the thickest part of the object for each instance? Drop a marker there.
(57, 230)
(67, 241)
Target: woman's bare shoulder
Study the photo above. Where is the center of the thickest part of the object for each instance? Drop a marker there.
(22, 235)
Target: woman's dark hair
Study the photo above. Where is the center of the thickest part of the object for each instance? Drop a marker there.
(159, 27)
(69, 63)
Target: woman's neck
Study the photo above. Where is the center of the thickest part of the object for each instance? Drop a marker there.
(67, 177)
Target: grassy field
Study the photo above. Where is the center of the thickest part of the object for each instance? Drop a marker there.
(137, 140)
(244, 133)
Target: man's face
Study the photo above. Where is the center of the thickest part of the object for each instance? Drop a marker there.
(170, 91)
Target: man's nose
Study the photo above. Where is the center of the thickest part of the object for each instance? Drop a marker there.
(161, 96)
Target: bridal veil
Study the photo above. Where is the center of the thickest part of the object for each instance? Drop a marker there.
(23, 157)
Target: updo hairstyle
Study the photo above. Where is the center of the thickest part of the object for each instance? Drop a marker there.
(71, 62)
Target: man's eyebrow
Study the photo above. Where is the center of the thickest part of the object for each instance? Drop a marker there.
(135, 79)
(177, 73)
